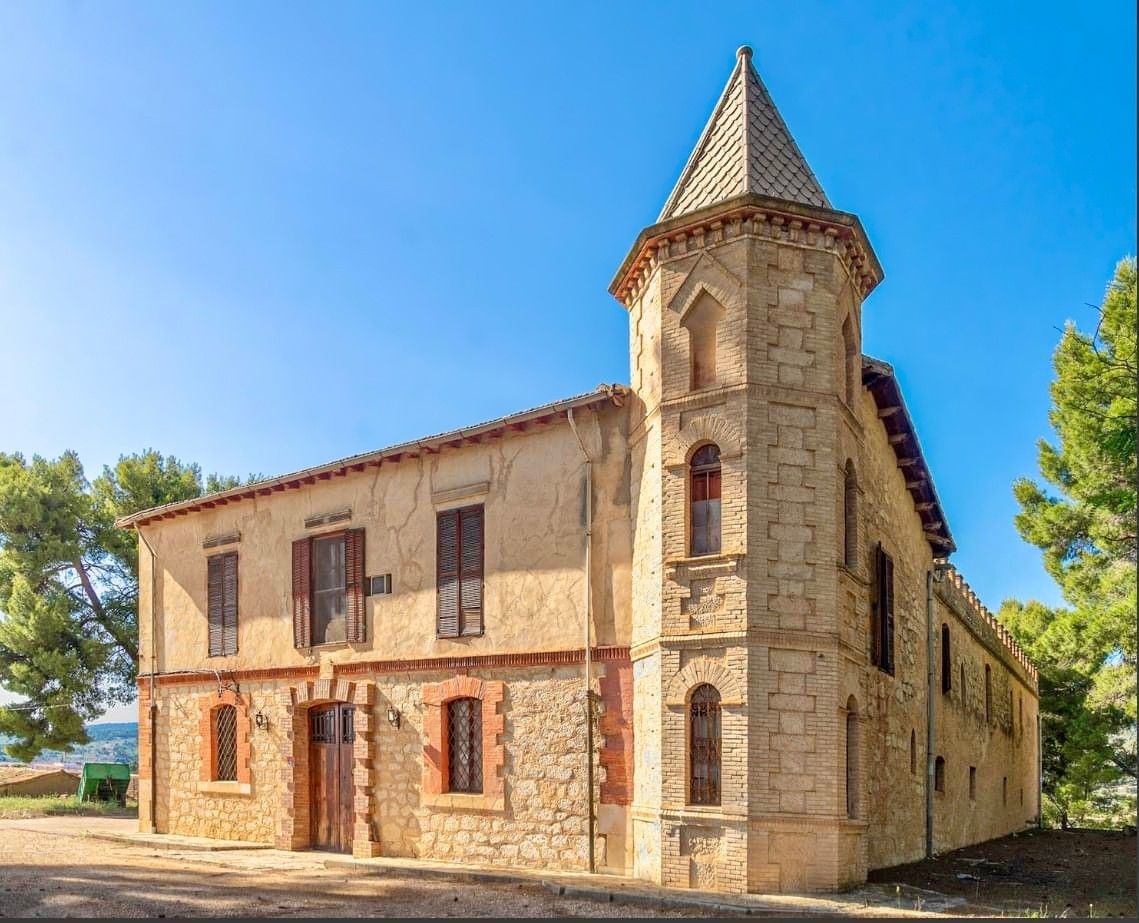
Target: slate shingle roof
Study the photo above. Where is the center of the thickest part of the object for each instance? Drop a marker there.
(745, 147)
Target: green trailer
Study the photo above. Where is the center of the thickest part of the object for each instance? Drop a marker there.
(104, 782)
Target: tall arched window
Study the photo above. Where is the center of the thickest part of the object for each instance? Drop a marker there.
(704, 489)
(225, 744)
(850, 364)
(946, 661)
(988, 693)
(704, 746)
(850, 516)
(851, 757)
(464, 745)
(913, 751)
(939, 774)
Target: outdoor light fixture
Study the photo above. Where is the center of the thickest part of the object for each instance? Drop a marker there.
(261, 720)
(393, 716)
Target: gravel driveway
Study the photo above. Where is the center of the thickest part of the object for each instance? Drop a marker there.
(44, 873)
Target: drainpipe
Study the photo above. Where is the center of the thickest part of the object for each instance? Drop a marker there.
(936, 574)
(588, 649)
(152, 715)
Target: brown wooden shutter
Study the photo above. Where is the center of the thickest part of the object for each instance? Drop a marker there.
(876, 607)
(355, 618)
(888, 613)
(215, 602)
(471, 528)
(229, 603)
(447, 574)
(302, 592)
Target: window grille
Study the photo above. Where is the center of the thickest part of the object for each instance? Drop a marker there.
(464, 745)
(225, 743)
(704, 746)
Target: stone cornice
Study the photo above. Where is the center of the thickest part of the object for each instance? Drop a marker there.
(749, 215)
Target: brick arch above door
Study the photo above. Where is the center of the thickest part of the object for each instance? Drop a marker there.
(294, 703)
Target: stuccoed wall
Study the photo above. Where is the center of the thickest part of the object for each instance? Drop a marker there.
(531, 484)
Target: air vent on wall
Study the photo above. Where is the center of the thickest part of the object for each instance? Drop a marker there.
(380, 585)
(326, 519)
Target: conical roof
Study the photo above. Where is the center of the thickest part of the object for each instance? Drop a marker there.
(745, 148)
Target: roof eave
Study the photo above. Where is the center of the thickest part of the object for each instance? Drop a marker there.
(342, 467)
(879, 379)
(747, 202)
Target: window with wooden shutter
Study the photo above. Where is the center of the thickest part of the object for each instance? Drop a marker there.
(221, 593)
(459, 572)
(355, 613)
(882, 612)
(302, 592)
(946, 661)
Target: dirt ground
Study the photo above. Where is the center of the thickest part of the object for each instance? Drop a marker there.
(1074, 873)
(48, 875)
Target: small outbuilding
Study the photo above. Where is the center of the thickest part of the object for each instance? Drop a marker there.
(37, 780)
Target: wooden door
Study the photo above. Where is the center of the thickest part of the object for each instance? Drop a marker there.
(331, 735)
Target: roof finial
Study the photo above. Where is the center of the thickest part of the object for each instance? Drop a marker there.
(744, 51)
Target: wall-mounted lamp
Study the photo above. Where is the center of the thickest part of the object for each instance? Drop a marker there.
(393, 716)
(261, 720)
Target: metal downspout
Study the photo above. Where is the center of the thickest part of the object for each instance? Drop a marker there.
(588, 649)
(152, 711)
(930, 732)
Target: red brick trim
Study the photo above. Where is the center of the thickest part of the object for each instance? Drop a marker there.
(294, 831)
(421, 665)
(435, 756)
(616, 726)
(144, 741)
(207, 738)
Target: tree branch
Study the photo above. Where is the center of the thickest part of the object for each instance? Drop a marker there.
(100, 613)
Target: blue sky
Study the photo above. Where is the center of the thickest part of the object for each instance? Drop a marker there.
(262, 236)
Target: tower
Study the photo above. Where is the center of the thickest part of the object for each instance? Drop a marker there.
(744, 303)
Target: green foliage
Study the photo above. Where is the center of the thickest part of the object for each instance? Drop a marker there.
(1084, 522)
(25, 806)
(69, 589)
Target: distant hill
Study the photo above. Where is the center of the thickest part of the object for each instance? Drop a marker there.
(112, 742)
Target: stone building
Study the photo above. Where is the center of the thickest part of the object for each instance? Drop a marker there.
(700, 630)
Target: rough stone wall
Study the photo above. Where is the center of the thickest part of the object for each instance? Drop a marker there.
(1001, 748)
(182, 807)
(892, 707)
(541, 824)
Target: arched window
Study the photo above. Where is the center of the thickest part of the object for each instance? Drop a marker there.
(464, 745)
(704, 746)
(705, 503)
(850, 516)
(913, 752)
(702, 321)
(1004, 790)
(988, 693)
(225, 744)
(946, 661)
(850, 363)
(939, 774)
(851, 757)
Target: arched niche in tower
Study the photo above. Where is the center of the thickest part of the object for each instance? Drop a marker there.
(702, 321)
